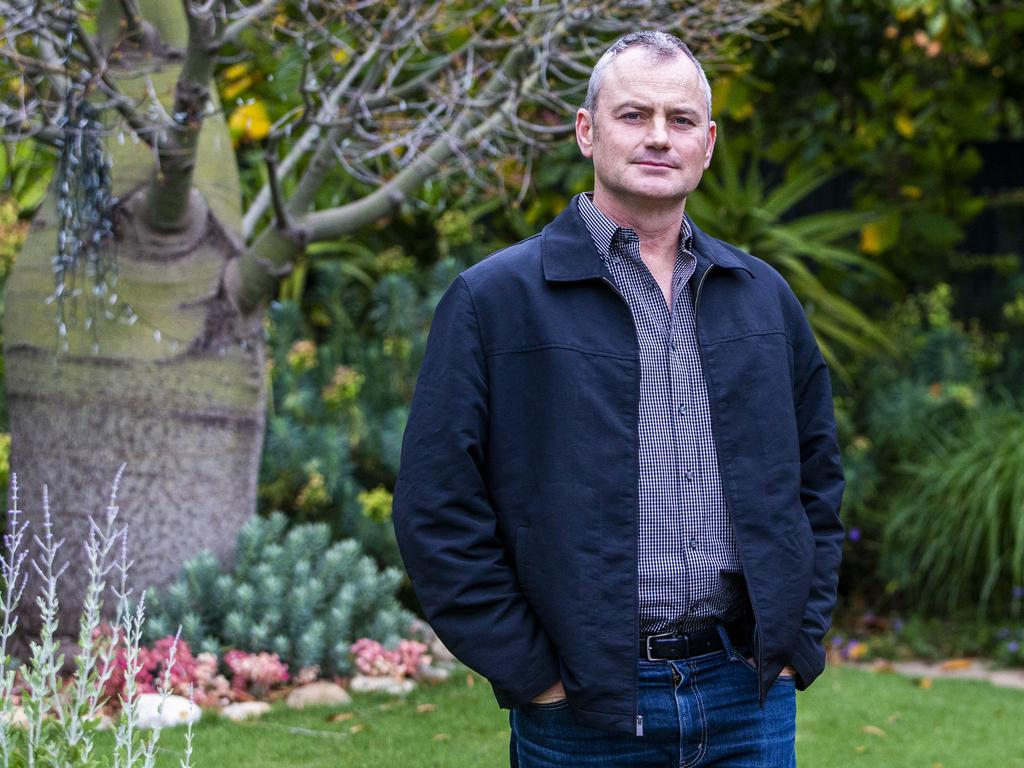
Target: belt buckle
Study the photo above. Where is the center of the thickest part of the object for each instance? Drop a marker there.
(661, 636)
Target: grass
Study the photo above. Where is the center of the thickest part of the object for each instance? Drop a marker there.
(849, 717)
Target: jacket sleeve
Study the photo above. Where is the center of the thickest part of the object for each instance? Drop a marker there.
(444, 521)
(821, 493)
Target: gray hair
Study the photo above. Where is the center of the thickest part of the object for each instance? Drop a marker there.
(660, 45)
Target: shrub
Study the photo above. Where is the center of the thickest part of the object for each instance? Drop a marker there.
(291, 593)
(58, 718)
(956, 532)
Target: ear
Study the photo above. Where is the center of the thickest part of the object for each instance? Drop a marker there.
(585, 132)
(712, 134)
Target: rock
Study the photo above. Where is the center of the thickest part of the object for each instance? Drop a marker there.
(317, 695)
(245, 710)
(1009, 678)
(440, 655)
(176, 710)
(394, 686)
(435, 674)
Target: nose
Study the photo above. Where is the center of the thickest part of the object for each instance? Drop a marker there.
(657, 133)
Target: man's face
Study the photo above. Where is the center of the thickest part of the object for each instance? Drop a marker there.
(650, 137)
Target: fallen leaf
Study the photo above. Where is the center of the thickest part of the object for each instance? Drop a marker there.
(925, 682)
(882, 666)
(341, 717)
(441, 737)
(426, 708)
(469, 681)
(859, 748)
(357, 728)
(955, 665)
(892, 718)
(937, 765)
(873, 730)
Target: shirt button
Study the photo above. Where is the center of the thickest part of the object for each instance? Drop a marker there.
(682, 408)
(688, 475)
(693, 543)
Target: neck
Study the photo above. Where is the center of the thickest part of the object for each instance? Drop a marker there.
(656, 223)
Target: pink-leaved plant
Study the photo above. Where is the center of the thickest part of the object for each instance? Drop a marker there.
(374, 660)
(255, 673)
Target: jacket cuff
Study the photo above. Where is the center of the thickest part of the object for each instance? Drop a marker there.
(531, 687)
(808, 660)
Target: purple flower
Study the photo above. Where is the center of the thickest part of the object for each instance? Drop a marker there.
(1013, 646)
(837, 640)
(1018, 592)
(897, 625)
(853, 534)
(1003, 632)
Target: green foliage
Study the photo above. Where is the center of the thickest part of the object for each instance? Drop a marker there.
(908, 422)
(736, 204)
(898, 91)
(341, 382)
(346, 342)
(291, 592)
(956, 534)
(26, 169)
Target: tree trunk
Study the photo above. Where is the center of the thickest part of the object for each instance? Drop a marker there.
(179, 395)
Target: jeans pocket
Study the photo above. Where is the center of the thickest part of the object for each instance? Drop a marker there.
(742, 656)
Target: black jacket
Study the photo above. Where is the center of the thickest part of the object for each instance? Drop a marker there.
(516, 503)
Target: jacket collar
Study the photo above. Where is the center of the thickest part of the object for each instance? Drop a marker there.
(568, 251)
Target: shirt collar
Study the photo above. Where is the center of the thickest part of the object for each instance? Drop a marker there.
(603, 230)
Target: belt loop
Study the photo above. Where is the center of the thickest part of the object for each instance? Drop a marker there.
(723, 633)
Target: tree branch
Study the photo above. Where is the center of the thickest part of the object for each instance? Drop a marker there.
(250, 16)
(167, 199)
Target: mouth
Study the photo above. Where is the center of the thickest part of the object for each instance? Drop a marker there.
(654, 164)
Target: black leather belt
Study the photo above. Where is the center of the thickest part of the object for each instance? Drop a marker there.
(671, 645)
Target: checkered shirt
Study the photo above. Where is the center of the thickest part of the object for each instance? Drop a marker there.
(686, 537)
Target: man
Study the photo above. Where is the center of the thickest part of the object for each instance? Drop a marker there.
(620, 484)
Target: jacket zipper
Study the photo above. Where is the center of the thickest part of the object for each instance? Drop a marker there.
(759, 661)
(636, 596)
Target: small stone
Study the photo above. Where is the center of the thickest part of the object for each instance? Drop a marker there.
(1008, 679)
(321, 693)
(441, 655)
(425, 633)
(434, 674)
(154, 711)
(391, 685)
(245, 710)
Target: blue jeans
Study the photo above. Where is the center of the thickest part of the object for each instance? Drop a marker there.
(701, 711)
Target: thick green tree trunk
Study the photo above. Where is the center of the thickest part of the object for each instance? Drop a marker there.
(179, 395)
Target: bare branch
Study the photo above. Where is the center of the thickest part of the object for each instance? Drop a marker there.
(282, 219)
(246, 19)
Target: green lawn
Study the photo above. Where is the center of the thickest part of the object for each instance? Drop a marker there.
(848, 718)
